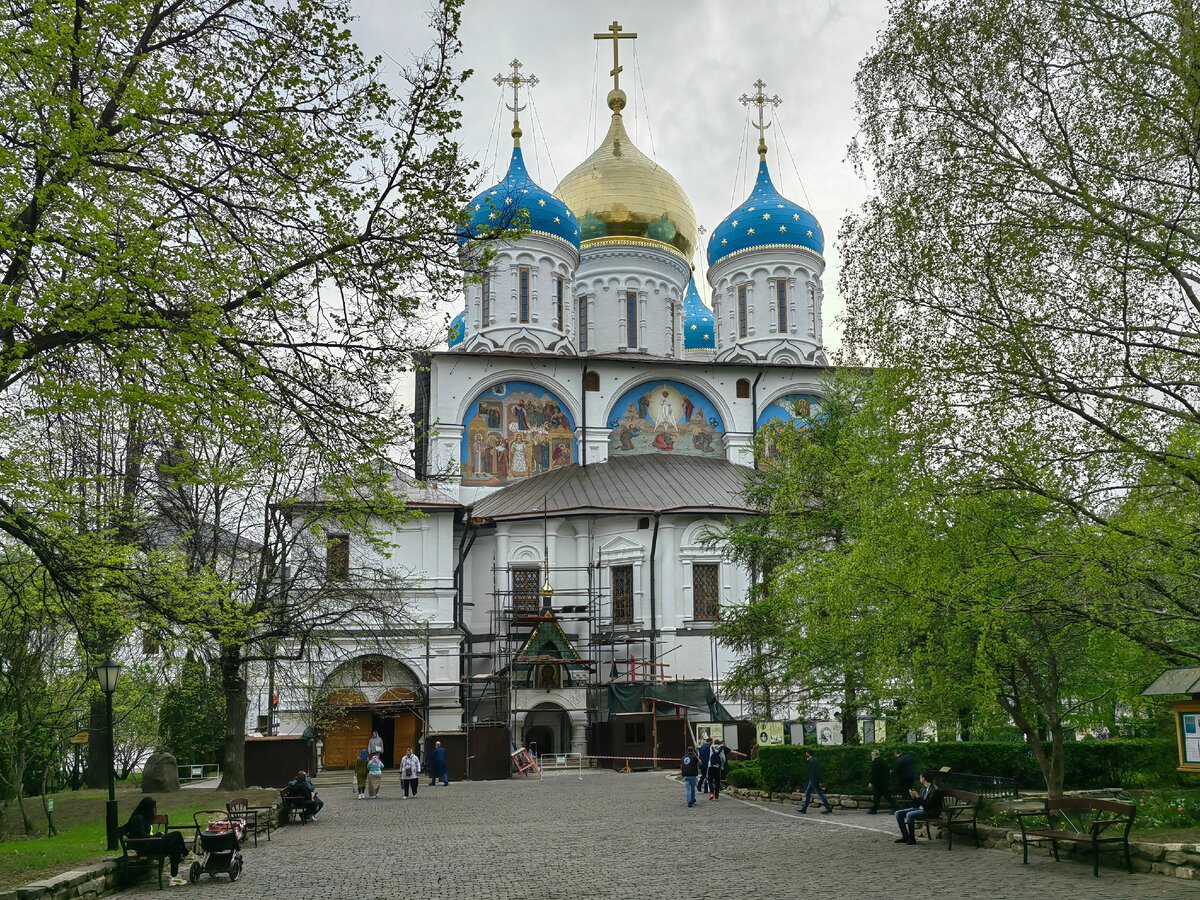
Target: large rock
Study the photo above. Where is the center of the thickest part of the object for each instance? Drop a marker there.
(160, 775)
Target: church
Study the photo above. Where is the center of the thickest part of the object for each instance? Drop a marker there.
(589, 425)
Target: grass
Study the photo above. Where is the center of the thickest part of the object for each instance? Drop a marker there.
(79, 818)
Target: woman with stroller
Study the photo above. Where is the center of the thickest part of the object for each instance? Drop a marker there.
(360, 774)
(410, 768)
(171, 843)
(374, 776)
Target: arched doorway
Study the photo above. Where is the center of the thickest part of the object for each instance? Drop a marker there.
(370, 693)
(547, 729)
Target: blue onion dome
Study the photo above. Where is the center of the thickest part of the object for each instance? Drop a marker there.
(698, 326)
(458, 329)
(500, 207)
(765, 219)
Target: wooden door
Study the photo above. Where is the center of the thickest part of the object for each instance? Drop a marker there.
(405, 735)
(343, 744)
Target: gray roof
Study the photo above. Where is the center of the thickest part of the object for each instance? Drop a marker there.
(1175, 681)
(416, 494)
(643, 483)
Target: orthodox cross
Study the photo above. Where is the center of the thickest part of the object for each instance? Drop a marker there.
(762, 101)
(614, 34)
(516, 80)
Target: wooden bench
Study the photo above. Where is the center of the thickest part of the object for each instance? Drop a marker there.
(958, 808)
(295, 806)
(143, 853)
(1087, 820)
(239, 809)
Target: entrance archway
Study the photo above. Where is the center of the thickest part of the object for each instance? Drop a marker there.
(547, 729)
(371, 693)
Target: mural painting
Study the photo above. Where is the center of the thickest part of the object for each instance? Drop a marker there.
(515, 430)
(665, 417)
(780, 419)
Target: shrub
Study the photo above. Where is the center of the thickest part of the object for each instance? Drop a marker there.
(746, 775)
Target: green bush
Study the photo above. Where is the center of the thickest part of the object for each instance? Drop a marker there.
(745, 775)
(1140, 762)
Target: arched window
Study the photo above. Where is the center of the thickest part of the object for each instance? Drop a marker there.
(485, 313)
(591, 381)
(743, 322)
(559, 321)
(631, 323)
(781, 300)
(523, 278)
(583, 324)
(743, 388)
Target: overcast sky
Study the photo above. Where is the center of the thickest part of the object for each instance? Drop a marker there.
(691, 62)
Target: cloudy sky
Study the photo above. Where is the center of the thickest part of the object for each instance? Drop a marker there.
(691, 61)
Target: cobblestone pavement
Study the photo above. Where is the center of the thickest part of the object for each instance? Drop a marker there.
(626, 836)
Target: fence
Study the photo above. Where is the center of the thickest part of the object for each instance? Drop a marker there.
(199, 771)
(996, 787)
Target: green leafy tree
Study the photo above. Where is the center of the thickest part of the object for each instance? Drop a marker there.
(191, 720)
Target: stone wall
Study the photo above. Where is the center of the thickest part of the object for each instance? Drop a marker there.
(86, 884)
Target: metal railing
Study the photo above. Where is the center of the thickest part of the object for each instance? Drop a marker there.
(548, 762)
(198, 771)
(996, 787)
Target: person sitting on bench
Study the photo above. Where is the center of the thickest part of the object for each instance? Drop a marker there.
(925, 802)
(302, 789)
(141, 827)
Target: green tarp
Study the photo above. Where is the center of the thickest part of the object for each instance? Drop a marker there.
(695, 693)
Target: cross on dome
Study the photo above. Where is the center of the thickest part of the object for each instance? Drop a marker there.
(616, 97)
(516, 80)
(762, 101)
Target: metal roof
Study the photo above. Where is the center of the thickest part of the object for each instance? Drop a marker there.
(1175, 681)
(643, 483)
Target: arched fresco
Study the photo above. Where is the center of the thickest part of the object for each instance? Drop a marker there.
(665, 417)
(780, 418)
(515, 430)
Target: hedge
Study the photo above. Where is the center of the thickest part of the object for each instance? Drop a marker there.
(1140, 762)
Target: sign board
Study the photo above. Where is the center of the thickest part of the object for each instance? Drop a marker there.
(769, 733)
(1189, 729)
(49, 804)
(829, 734)
(706, 730)
(80, 738)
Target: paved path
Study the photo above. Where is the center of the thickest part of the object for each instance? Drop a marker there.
(626, 836)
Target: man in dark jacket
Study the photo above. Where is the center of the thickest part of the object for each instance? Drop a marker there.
(691, 768)
(705, 753)
(926, 803)
(437, 765)
(716, 770)
(814, 784)
(906, 773)
(878, 782)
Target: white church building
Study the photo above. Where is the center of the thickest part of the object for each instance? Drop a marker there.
(589, 423)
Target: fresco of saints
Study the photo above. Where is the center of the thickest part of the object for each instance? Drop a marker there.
(478, 456)
(518, 460)
(688, 408)
(666, 415)
(664, 442)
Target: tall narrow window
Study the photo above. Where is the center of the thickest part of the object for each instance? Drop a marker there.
(558, 302)
(485, 312)
(671, 330)
(337, 556)
(705, 590)
(523, 278)
(812, 310)
(583, 323)
(781, 302)
(622, 593)
(526, 591)
(741, 311)
(631, 323)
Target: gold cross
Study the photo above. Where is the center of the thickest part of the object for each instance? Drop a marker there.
(614, 35)
(762, 101)
(516, 81)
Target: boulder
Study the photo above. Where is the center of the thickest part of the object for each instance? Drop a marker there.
(160, 774)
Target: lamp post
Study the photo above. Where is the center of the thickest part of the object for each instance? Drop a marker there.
(108, 673)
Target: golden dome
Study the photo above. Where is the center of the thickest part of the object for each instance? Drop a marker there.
(618, 192)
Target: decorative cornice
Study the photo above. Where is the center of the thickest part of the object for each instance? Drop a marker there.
(792, 247)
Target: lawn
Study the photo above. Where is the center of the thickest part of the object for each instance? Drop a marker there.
(79, 818)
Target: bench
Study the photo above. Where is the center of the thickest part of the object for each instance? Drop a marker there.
(239, 809)
(295, 806)
(1088, 820)
(138, 854)
(958, 808)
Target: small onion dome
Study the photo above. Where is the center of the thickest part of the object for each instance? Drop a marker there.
(458, 329)
(500, 206)
(766, 219)
(698, 327)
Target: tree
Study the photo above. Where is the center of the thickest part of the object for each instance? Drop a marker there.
(1029, 251)
(191, 719)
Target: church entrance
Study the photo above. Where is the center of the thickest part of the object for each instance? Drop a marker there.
(386, 699)
(547, 730)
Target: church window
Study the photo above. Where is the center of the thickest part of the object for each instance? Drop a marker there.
(643, 523)
(635, 732)
(372, 670)
(558, 302)
(486, 310)
(526, 591)
(337, 556)
(706, 593)
(631, 329)
(671, 330)
(523, 279)
(781, 300)
(583, 324)
(743, 388)
(812, 309)
(741, 310)
(591, 381)
(622, 593)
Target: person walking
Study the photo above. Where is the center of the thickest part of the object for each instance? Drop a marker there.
(906, 773)
(410, 768)
(360, 774)
(926, 802)
(374, 776)
(878, 783)
(814, 784)
(705, 753)
(690, 771)
(437, 765)
(716, 766)
(375, 745)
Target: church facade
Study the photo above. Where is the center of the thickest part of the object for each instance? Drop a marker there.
(586, 431)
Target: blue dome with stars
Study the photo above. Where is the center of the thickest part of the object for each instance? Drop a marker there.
(499, 205)
(699, 329)
(766, 219)
(457, 330)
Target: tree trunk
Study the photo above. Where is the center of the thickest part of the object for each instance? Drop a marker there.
(98, 762)
(237, 703)
(850, 715)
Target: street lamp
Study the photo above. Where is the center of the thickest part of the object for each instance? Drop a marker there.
(108, 673)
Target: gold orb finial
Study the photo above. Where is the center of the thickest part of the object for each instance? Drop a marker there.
(616, 100)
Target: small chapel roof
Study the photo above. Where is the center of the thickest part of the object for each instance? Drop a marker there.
(633, 484)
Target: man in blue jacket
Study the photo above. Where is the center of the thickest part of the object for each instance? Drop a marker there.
(814, 784)
(437, 765)
(705, 753)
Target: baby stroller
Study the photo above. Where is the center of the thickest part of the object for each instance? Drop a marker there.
(220, 843)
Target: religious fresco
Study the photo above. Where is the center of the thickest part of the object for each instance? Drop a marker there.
(780, 419)
(515, 430)
(665, 417)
